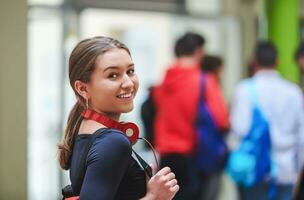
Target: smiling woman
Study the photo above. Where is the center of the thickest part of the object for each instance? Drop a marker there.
(103, 77)
(113, 84)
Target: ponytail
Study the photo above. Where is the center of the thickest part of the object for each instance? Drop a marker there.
(71, 131)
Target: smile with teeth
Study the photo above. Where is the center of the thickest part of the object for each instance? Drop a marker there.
(124, 96)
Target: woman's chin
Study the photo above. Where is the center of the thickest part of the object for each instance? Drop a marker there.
(127, 109)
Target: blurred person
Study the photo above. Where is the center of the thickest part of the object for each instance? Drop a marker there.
(299, 189)
(212, 124)
(147, 113)
(299, 58)
(102, 75)
(213, 65)
(281, 102)
(251, 69)
(213, 69)
(176, 100)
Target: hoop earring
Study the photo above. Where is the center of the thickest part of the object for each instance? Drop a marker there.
(87, 103)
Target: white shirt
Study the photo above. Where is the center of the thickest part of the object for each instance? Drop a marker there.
(282, 104)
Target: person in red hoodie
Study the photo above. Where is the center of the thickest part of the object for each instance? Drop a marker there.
(176, 100)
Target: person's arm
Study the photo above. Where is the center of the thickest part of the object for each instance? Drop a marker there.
(216, 102)
(240, 115)
(106, 164)
(162, 186)
(299, 112)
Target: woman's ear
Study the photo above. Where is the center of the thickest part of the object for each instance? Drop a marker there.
(82, 89)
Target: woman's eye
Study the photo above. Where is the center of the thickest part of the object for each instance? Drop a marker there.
(131, 71)
(113, 75)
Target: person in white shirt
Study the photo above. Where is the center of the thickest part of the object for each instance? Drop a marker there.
(282, 104)
(299, 58)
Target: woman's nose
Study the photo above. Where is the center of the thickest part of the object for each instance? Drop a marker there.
(127, 82)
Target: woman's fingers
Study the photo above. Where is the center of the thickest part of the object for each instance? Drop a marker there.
(174, 188)
(164, 171)
(163, 185)
(172, 182)
(170, 176)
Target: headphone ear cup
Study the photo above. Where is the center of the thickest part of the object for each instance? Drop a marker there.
(131, 130)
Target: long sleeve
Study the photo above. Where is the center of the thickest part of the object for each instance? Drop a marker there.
(216, 102)
(300, 131)
(107, 162)
(240, 116)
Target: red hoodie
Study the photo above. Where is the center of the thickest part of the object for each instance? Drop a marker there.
(176, 103)
(216, 102)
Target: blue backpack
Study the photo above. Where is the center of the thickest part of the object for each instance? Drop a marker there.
(212, 151)
(251, 163)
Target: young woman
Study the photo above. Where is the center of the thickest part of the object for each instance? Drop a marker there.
(103, 77)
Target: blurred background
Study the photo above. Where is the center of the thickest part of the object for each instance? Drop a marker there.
(37, 36)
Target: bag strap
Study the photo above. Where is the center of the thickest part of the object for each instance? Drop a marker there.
(253, 93)
(82, 165)
(203, 86)
(254, 98)
(144, 165)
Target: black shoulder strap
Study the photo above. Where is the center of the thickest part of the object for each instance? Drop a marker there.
(82, 165)
(144, 165)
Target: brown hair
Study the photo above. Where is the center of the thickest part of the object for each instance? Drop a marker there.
(211, 63)
(81, 66)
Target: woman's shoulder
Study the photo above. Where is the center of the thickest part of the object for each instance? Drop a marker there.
(112, 134)
(111, 145)
(111, 139)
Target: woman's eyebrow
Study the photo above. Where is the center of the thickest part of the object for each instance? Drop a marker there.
(131, 65)
(116, 67)
(110, 67)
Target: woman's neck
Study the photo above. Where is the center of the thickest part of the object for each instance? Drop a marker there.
(89, 126)
(111, 115)
(187, 61)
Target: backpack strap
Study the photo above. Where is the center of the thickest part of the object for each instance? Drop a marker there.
(203, 86)
(82, 165)
(253, 93)
(255, 99)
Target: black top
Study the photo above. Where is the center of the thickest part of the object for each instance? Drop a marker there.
(112, 173)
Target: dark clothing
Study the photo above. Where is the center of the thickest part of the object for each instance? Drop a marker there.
(209, 186)
(182, 168)
(112, 173)
(299, 191)
(147, 113)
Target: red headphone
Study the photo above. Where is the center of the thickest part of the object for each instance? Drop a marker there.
(128, 128)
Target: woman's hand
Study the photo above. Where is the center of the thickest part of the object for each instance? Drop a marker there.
(162, 186)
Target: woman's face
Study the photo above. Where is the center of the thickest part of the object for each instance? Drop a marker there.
(113, 84)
